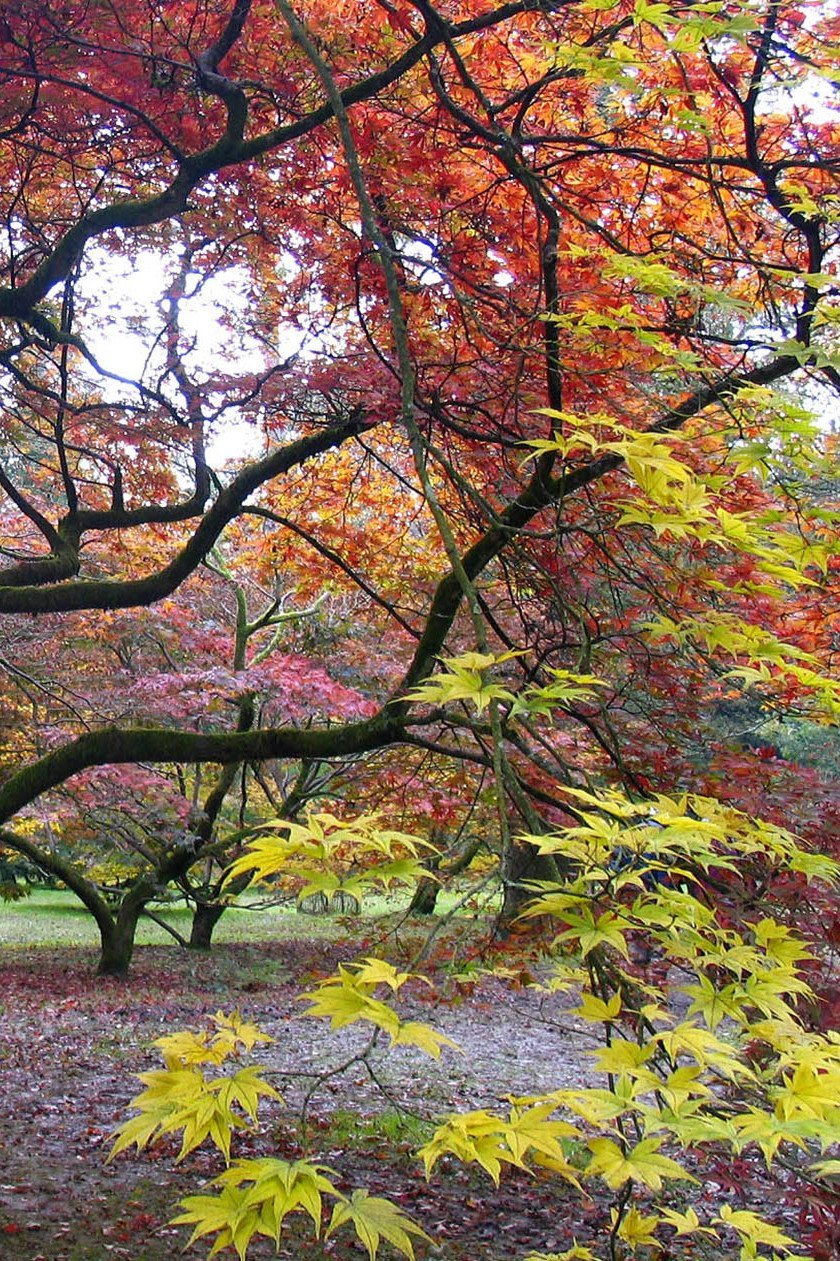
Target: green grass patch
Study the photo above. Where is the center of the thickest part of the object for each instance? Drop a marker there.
(351, 1130)
(55, 918)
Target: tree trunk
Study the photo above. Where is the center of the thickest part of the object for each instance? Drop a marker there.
(519, 864)
(117, 945)
(205, 918)
(425, 895)
(118, 938)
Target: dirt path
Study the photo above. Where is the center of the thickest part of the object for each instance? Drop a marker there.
(70, 1044)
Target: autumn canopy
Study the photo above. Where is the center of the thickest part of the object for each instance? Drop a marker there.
(418, 456)
(431, 397)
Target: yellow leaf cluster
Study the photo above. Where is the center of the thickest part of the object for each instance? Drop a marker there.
(325, 854)
(348, 996)
(638, 868)
(255, 1197)
(464, 679)
(527, 1135)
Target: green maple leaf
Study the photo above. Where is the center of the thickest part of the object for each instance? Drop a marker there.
(374, 1219)
(590, 933)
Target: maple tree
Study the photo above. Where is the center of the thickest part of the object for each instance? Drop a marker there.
(124, 840)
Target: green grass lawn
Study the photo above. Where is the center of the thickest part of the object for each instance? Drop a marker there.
(55, 917)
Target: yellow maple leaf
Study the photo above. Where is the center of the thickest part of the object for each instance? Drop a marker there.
(641, 1163)
(754, 1228)
(687, 1223)
(634, 1228)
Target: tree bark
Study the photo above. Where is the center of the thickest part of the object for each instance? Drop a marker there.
(117, 940)
(522, 863)
(426, 893)
(205, 918)
(425, 897)
(116, 946)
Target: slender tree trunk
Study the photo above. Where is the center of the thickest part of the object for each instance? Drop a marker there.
(207, 914)
(522, 863)
(425, 895)
(116, 933)
(205, 918)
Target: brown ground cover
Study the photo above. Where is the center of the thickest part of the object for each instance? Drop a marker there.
(70, 1044)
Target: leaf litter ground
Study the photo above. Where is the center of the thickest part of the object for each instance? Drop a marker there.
(71, 1043)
